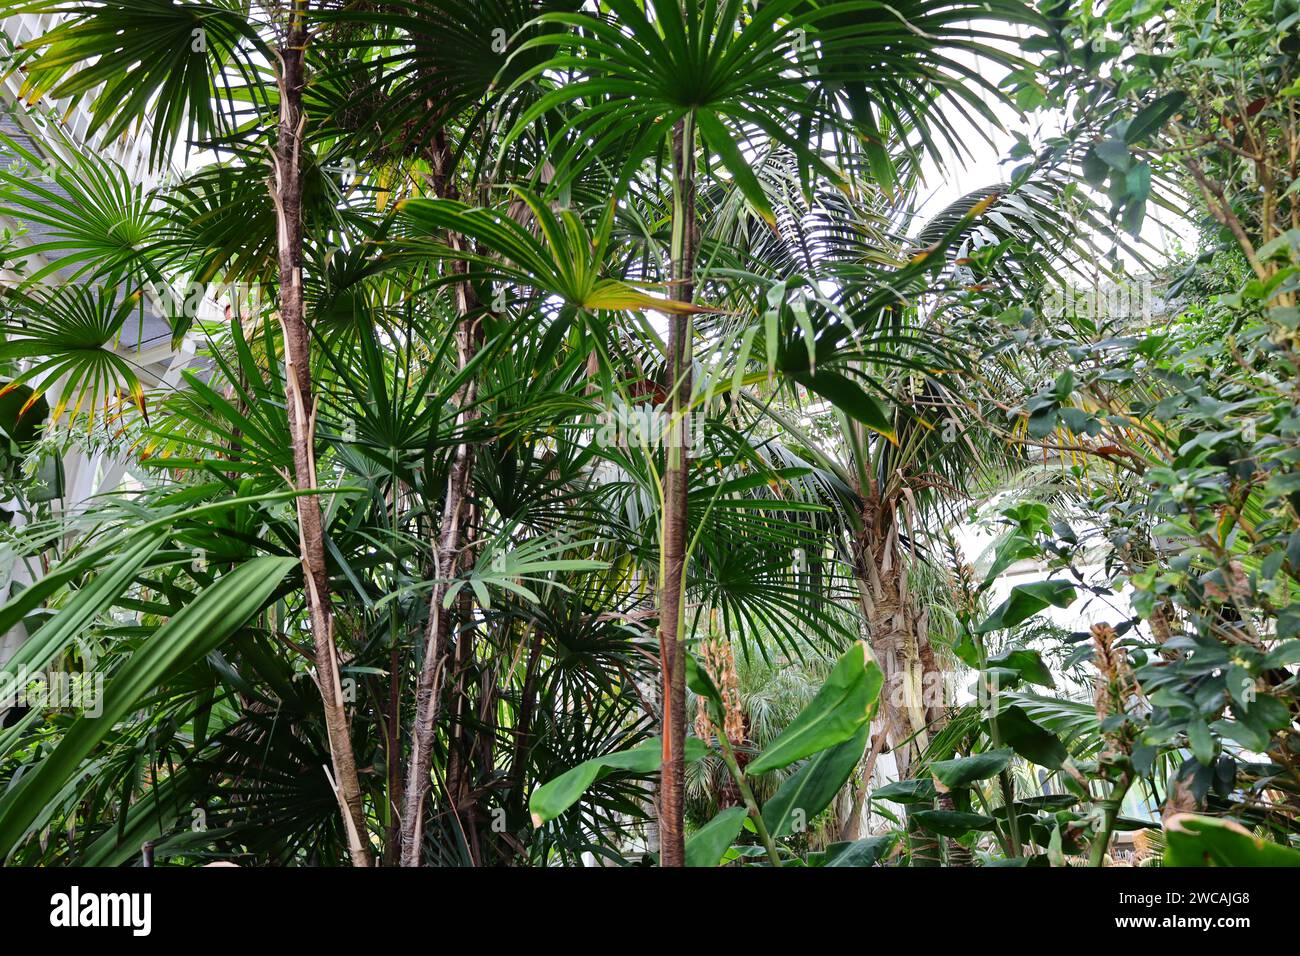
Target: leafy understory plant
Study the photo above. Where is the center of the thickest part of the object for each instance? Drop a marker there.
(827, 739)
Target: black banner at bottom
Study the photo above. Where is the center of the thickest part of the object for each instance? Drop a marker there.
(224, 906)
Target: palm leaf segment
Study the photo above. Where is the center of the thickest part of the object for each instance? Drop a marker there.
(176, 54)
(784, 74)
(567, 260)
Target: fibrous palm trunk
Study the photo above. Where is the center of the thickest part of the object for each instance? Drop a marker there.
(286, 192)
(910, 700)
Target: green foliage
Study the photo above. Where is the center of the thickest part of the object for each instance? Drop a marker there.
(1204, 841)
(555, 796)
(845, 702)
(495, 219)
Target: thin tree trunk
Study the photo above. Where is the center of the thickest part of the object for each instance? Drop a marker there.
(460, 754)
(447, 555)
(286, 191)
(393, 751)
(672, 842)
(527, 703)
(428, 691)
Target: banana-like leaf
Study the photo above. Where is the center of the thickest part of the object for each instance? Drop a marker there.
(555, 796)
(1025, 662)
(1191, 840)
(916, 790)
(866, 852)
(810, 789)
(706, 845)
(844, 703)
(1026, 600)
(1029, 739)
(951, 823)
(963, 771)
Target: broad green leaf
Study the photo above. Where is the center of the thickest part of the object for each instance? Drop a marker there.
(811, 788)
(845, 701)
(555, 796)
(963, 771)
(1026, 600)
(865, 852)
(1025, 662)
(1138, 183)
(906, 791)
(1015, 547)
(1094, 169)
(706, 845)
(952, 823)
(1192, 840)
(1288, 652)
(700, 683)
(1200, 740)
(1152, 117)
(1030, 740)
(1114, 153)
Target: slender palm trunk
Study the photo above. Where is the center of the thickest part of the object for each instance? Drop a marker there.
(286, 191)
(448, 555)
(672, 841)
(393, 756)
(447, 560)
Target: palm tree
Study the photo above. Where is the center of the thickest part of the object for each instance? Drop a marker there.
(458, 298)
(707, 81)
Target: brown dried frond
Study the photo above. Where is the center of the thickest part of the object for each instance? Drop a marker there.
(961, 577)
(1114, 682)
(720, 662)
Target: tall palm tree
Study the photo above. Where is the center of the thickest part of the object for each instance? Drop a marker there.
(474, 212)
(708, 81)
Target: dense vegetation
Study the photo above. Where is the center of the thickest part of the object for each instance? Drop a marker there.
(586, 463)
